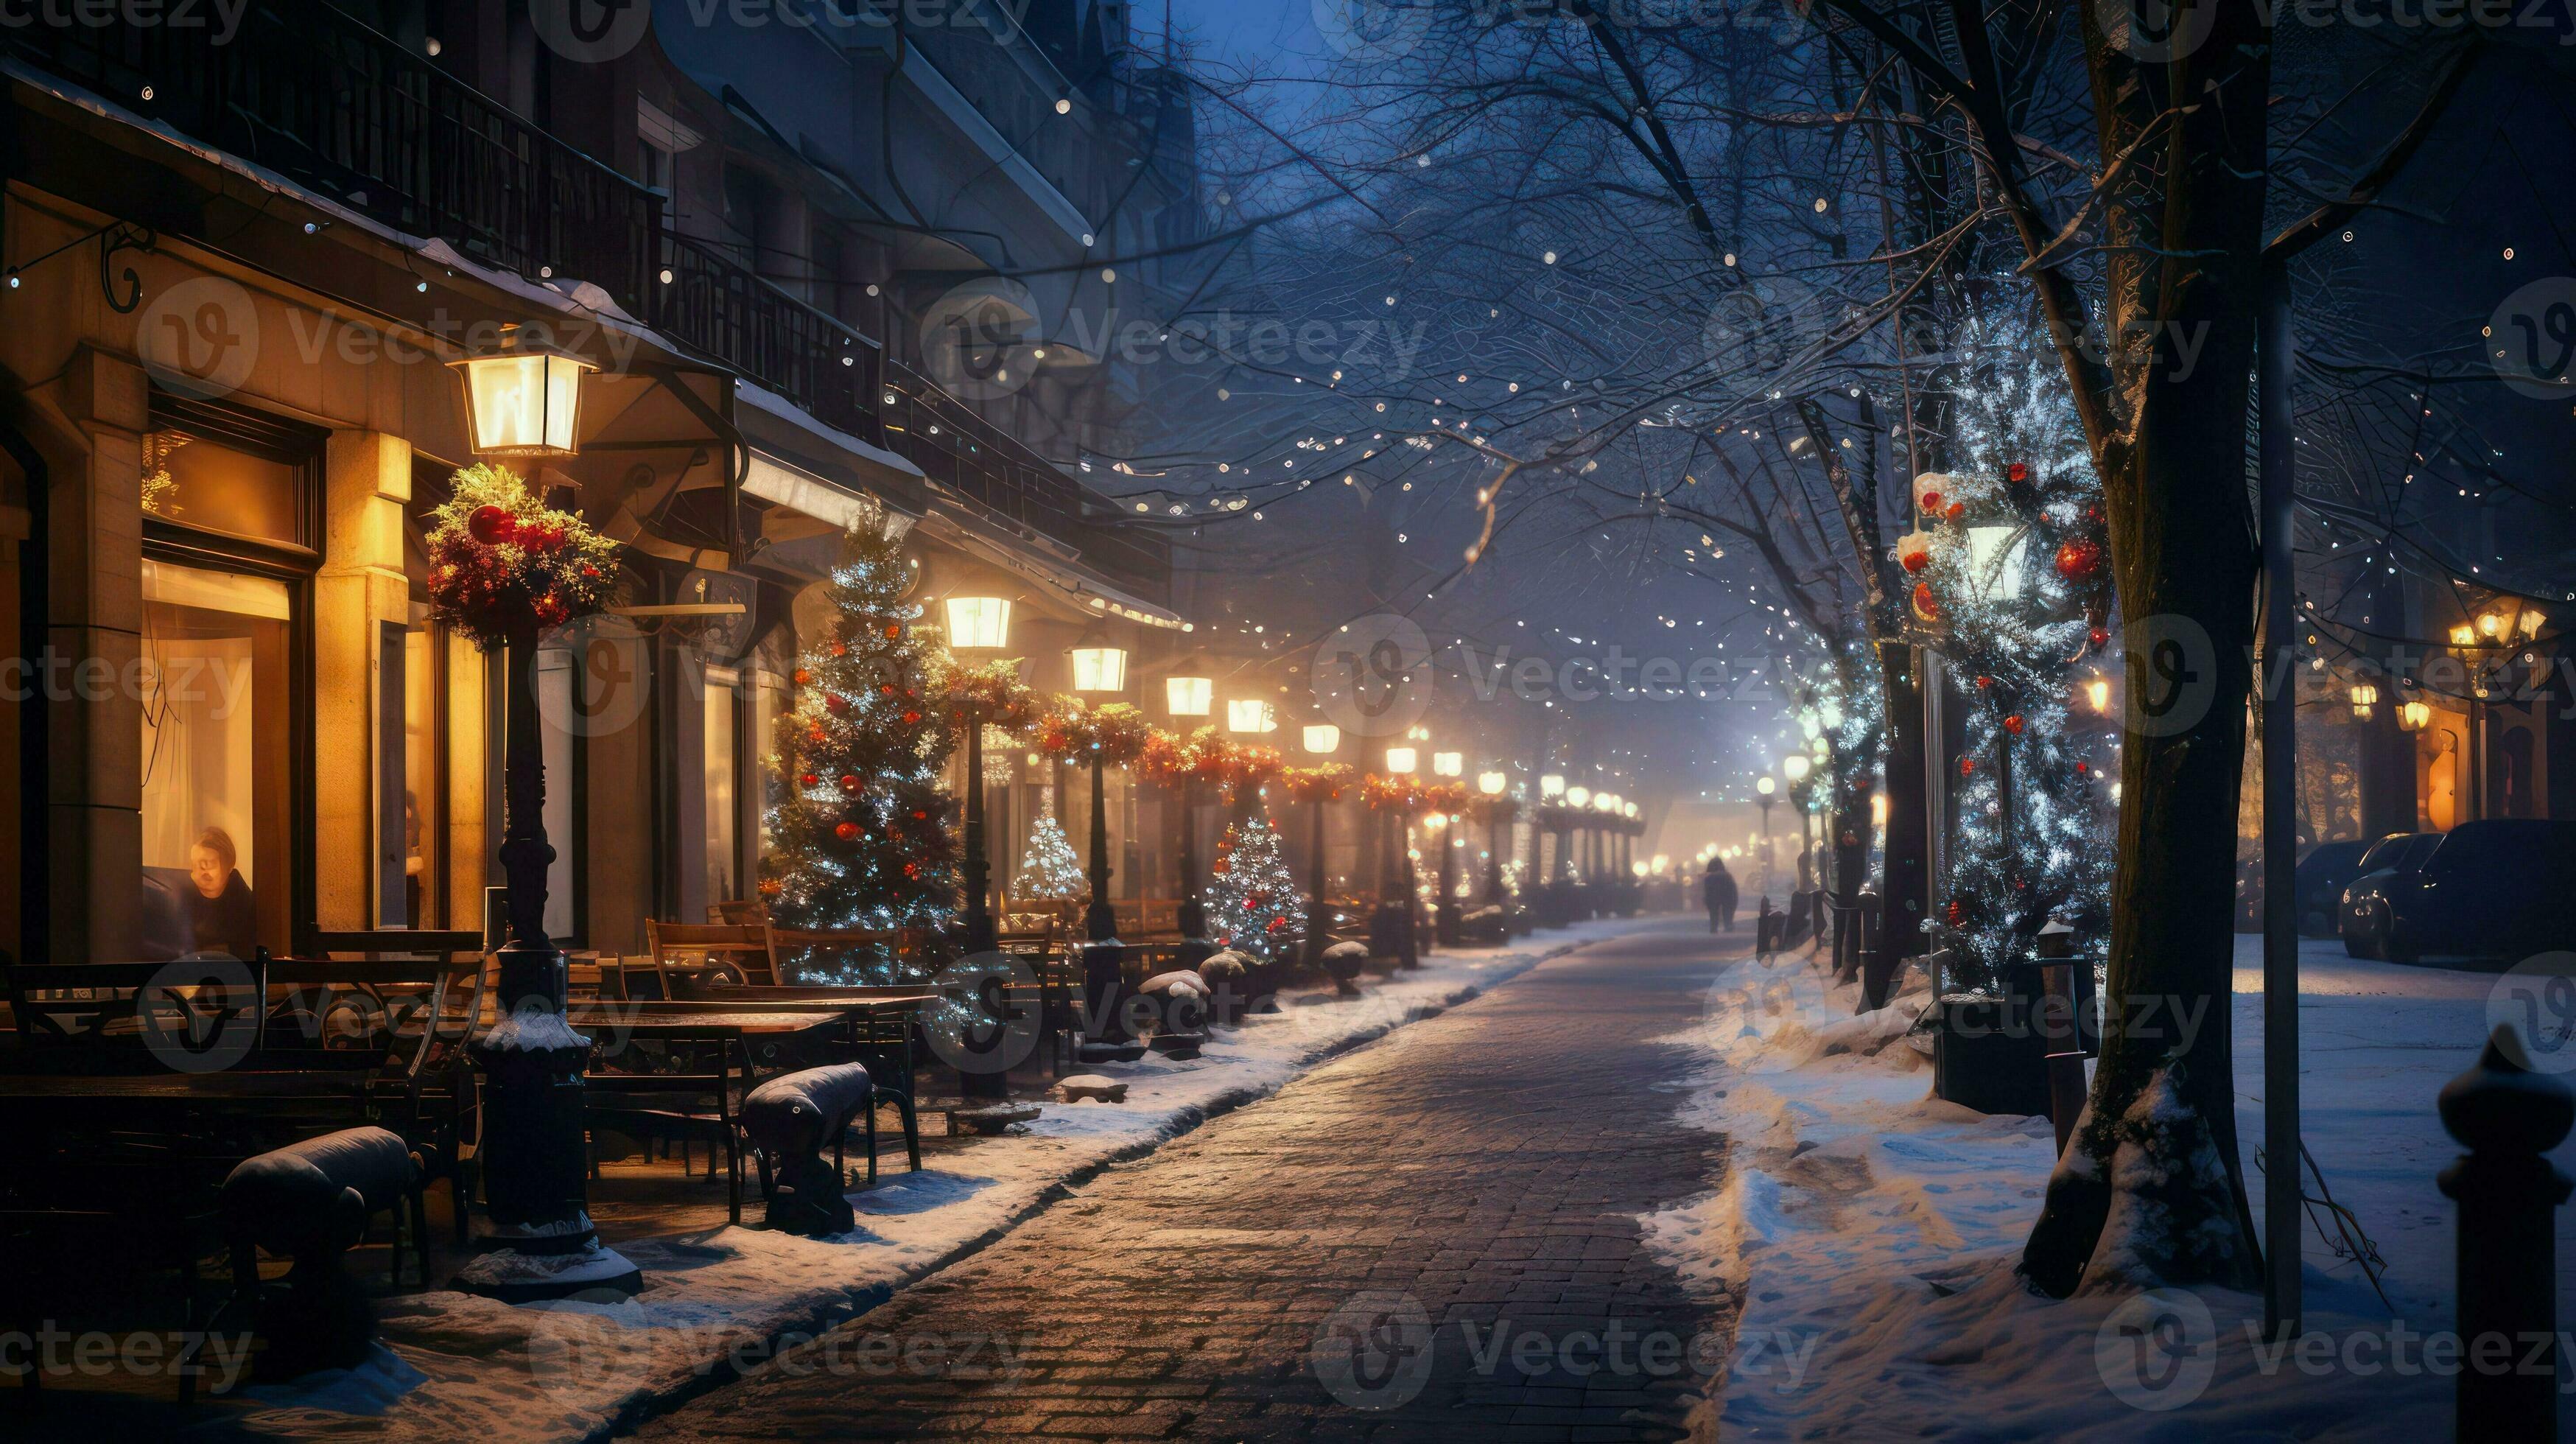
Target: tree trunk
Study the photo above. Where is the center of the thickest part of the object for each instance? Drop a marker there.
(2150, 1189)
(1906, 883)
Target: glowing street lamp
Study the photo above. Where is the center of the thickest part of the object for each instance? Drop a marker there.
(1491, 783)
(1323, 738)
(1578, 796)
(1249, 714)
(2414, 716)
(1189, 696)
(522, 399)
(2364, 698)
(978, 624)
(1401, 761)
(1551, 785)
(1794, 767)
(2097, 693)
(1099, 665)
(1448, 764)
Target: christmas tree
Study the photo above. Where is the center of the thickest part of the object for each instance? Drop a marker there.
(859, 821)
(1252, 902)
(1049, 873)
(2011, 574)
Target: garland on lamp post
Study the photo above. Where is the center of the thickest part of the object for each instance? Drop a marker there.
(1113, 735)
(503, 567)
(1316, 787)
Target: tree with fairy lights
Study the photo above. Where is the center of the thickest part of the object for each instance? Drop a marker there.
(1049, 873)
(1252, 902)
(860, 819)
(2009, 573)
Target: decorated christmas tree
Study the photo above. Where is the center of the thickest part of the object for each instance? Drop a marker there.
(1252, 902)
(860, 821)
(1049, 873)
(2010, 573)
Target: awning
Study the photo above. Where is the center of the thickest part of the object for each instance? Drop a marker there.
(1076, 589)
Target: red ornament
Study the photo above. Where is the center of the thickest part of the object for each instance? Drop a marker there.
(910, 717)
(2078, 559)
(1985, 681)
(849, 782)
(2016, 472)
(802, 676)
(2013, 724)
(893, 631)
(1967, 766)
(2083, 768)
(847, 832)
(840, 649)
(1932, 502)
(2099, 637)
(1957, 510)
(835, 702)
(1917, 561)
(1925, 603)
(807, 779)
(1958, 914)
(492, 525)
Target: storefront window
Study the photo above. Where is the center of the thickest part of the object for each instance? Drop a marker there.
(220, 488)
(217, 834)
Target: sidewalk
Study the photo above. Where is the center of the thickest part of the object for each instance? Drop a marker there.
(453, 1366)
(1879, 1227)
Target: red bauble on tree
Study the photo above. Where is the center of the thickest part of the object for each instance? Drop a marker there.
(2013, 724)
(492, 525)
(1926, 605)
(2079, 558)
(847, 832)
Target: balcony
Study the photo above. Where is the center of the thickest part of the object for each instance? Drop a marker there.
(309, 93)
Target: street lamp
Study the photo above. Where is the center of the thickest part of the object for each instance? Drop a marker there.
(1323, 738)
(522, 399)
(1189, 696)
(1763, 788)
(1099, 665)
(978, 624)
(2365, 697)
(1498, 835)
(1393, 925)
(1249, 715)
(1448, 764)
(2414, 716)
(1401, 761)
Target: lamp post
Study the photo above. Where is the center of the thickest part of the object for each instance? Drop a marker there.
(1104, 981)
(1763, 788)
(1795, 767)
(1498, 813)
(1322, 739)
(1552, 892)
(522, 401)
(1190, 696)
(1391, 930)
(1444, 913)
(980, 625)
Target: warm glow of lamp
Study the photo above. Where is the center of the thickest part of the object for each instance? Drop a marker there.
(979, 623)
(2364, 697)
(2464, 635)
(1401, 761)
(1189, 696)
(1765, 785)
(1794, 767)
(1323, 737)
(2490, 624)
(1578, 796)
(1629, 808)
(2414, 716)
(1448, 764)
(1551, 785)
(1099, 665)
(1878, 809)
(522, 400)
(1249, 714)
(2097, 693)
(2533, 619)
(1491, 783)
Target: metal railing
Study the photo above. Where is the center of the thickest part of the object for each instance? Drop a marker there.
(306, 91)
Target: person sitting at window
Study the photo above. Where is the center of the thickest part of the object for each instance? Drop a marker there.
(220, 918)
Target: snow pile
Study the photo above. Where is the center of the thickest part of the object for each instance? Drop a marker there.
(1873, 1230)
(458, 1366)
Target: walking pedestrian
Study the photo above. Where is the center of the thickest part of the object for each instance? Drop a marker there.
(1717, 889)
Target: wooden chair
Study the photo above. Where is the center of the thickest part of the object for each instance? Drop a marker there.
(747, 950)
(738, 911)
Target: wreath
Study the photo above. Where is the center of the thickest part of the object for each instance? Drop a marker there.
(501, 559)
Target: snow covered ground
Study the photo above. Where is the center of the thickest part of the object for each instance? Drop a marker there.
(456, 1366)
(1876, 1229)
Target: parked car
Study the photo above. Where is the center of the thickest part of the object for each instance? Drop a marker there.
(2362, 918)
(2323, 874)
(2492, 890)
